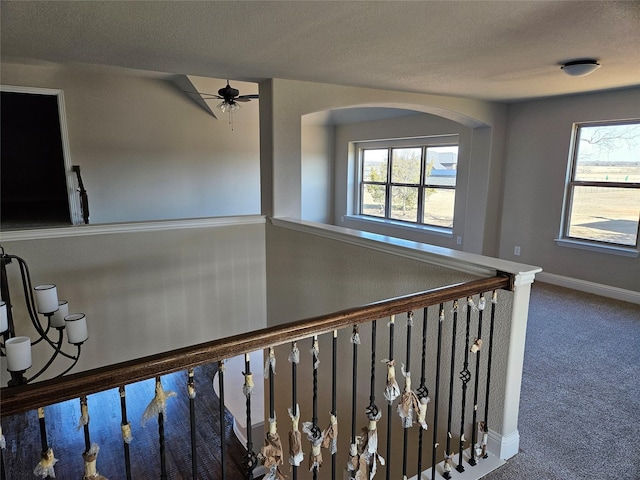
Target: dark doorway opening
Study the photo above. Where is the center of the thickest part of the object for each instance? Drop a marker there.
(33, 182)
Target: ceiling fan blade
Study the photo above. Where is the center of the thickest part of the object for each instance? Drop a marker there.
(203, 94)
(253, 95)
(242, 99)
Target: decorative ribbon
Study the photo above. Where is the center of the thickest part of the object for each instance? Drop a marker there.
(357, 464)
(392, 390)
(84, 414)
(90, 457)
(247, 388)
(44, 468)
(294, 356)
(422, 412)
(448, 462)
(314, 435)
(126, 433)
(315, 351)
(158, 404)
(477, 345)
(295, 439)
(271, 453)
(191, 388)
(270, 363)
(355, 335)
(471, 304)
(409, 403)
(481, 448)
(482, 303)
(370, 453)
(330, 435)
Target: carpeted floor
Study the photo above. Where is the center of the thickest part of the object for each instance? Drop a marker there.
(580, 402)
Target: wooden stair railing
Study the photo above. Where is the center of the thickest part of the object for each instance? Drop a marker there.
(24, 398)
(29, 397)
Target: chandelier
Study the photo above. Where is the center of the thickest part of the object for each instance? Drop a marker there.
(39, 300)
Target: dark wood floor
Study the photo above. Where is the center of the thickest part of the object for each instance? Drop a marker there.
(23, 435)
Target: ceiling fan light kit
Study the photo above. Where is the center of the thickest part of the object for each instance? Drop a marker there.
(580, 68)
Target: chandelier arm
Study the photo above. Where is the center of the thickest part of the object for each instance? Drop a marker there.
(57, 349)
(68, 355)
(75, 360)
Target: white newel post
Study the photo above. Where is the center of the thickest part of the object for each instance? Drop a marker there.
(504, 444)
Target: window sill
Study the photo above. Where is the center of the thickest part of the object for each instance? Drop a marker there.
(609, 249)
(444, 232)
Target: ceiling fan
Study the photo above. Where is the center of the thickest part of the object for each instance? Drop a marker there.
(229, 96)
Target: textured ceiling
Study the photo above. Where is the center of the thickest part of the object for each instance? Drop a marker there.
(504, 50)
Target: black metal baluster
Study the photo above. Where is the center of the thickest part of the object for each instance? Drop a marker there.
(314, 420)
(125, 426)
(191, 391)
(448, 453)
(334, 392)
(223, 441)
(475, 348)
(354, 393)
(423, 391)
(85, 424)
(407, 380)
(250, 458)
(485, 426)
(465, 376)
(390, 404)
(163, 453)
(47, 453)
(372, 411)
(294, 394)
(436, 401)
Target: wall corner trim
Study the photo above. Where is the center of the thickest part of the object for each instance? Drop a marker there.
(152, 226)
(503, 446)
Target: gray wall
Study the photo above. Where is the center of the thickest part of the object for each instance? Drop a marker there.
(147, 292)
(317, 172)
(146, 150)
(537, 157)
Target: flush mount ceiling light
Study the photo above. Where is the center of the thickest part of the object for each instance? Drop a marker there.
(580, 68)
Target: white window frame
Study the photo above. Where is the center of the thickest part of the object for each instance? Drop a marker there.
(585, 243)
(413, 142)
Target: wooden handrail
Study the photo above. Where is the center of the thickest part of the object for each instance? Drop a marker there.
(28, 397)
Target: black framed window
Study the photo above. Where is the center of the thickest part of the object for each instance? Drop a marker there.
(602, 200)
(411, 183)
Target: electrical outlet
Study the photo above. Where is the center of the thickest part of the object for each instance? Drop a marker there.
(459, 240)
(516, 250)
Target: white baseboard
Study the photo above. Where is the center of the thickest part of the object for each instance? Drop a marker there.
(503, 447)
(590, 287)
(482, 468)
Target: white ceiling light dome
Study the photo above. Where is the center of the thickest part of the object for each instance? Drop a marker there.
(580, 68)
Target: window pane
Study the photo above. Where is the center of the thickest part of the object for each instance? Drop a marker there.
(442, 166)
(608, 153)
(373, 199)
(405, 165)
(605, 214)
(438, 207)
(404, 203)
(374, 165)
